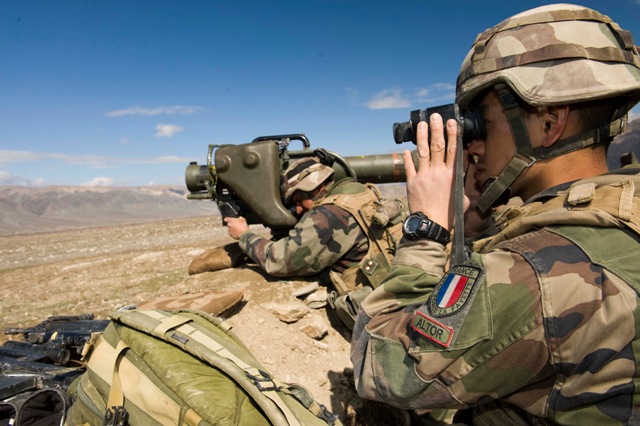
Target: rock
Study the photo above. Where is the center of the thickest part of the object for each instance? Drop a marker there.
(316, 328)
(307, 289)
(317, 299)
(289, 312)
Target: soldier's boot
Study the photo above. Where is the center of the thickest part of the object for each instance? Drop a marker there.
(227, 256)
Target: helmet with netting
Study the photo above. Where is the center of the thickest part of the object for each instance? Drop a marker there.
(554, 55)
(304, 175)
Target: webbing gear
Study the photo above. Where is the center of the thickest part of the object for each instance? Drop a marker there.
(115, 413)
(496, 190)
(458, 253)
(522, 159)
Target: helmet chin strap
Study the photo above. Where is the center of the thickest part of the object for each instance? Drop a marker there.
(496, 190)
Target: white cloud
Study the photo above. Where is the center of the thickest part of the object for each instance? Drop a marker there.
(6, 178)
(422, 93)
(99, 181)
(7, 156)
(386, 99)
(167, 130)
(92, 161)
(444, 86)
(167, 110)
(438, 93)
(166, 159)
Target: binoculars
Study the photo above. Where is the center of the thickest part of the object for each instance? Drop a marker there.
(471, 120)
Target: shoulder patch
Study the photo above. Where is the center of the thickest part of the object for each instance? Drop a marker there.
(453, 291)
(443, 314)
(432, 329)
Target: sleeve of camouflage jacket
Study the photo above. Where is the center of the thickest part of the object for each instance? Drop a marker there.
(396, 365)
(321, 237)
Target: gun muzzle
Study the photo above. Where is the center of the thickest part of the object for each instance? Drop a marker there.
(198, 181)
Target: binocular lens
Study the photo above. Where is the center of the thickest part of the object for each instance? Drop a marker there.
(473, 125)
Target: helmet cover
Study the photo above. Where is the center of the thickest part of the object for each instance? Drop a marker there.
(553, 55)
(304, 175)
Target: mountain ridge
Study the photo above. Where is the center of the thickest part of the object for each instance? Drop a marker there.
(26, 210)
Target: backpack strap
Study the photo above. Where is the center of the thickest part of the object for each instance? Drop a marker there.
(258, 377)
(115, 412)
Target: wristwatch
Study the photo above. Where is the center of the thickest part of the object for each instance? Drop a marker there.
(418, 226)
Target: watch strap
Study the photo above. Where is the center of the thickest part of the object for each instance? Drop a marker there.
(429, 230)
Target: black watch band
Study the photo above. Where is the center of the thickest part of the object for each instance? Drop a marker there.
(418, 226)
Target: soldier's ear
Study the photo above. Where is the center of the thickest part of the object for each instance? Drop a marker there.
(554, 120)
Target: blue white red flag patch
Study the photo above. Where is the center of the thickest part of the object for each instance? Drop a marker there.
(453, 291)
(441, 317)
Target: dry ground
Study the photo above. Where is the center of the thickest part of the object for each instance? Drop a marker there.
(99, 270)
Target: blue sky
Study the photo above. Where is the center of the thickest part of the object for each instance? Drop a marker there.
(128, 92)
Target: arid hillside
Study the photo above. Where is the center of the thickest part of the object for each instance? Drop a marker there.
(26, 210)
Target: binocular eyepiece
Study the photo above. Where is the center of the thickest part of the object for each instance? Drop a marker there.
(473, 124)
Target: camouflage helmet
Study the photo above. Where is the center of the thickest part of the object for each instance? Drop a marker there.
(553, 55)
(304, 175)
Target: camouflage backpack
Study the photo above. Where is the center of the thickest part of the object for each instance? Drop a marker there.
(381, 221)
(182, 368)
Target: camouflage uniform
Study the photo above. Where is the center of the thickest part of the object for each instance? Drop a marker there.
(327, 236)
(563, 271)
(541, 325)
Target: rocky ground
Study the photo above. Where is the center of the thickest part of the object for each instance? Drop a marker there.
(99, 270)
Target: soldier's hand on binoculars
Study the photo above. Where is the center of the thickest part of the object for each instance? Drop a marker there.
(430, 187)
(236, 226)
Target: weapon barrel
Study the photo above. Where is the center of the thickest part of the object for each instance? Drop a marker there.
(387, 168)
(59, 355)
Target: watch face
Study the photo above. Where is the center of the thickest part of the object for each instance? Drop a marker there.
(412, 224)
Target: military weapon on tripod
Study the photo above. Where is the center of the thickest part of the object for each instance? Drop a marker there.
(244, 180)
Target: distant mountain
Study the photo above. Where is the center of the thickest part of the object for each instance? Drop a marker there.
(629, 141)
(55, 208)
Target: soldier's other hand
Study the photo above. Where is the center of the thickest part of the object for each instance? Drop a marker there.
(430, 187)
(236, 226)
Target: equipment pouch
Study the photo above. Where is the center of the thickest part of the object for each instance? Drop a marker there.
(347, 306)
(375, 269)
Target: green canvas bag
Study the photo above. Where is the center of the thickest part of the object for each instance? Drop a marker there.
(153, 367)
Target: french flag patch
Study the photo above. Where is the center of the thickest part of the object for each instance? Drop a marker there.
(451, 290)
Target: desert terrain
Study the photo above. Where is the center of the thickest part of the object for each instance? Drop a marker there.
(101, 269)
